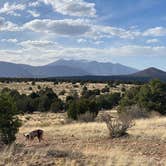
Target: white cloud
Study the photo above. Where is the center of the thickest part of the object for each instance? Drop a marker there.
(87, 29)
(109, 31)
(67, 27)
(25, 56)
(33, 13)
(34, 4)
(98, 42)
(78, 27)
(9, 40)
(7, 25)
(11, 9)
(157, 31)
(49, 54)
(11, 55)
(78, 8)
(152, 41)
(38, 44)
(81, 40)
(39, 49)
(137, 50)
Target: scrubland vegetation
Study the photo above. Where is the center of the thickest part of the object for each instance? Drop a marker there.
(85, 124)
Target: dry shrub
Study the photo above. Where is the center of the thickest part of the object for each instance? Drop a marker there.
(117, 126)
(154, 114)
(86, 117)
(135, 112)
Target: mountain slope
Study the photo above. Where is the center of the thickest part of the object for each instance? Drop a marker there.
(63, 68)
(13, 70)
(72, 68)
(26, 71)
(96, 68)
(54, 71)
(151, 72)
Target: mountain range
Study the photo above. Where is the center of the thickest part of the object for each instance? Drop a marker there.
(63, 68)
(79, 68)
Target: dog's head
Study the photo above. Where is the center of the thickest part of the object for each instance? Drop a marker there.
(26, 136)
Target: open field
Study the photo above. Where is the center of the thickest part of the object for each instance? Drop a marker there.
(73, 143)
(82, 83)
(69, 88)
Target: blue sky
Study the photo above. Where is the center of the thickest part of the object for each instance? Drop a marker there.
(130, 32)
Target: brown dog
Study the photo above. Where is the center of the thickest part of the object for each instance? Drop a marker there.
(35, 133)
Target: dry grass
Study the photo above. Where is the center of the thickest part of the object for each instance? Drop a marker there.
(87, 144)
(122, 158)
(154, 128)
(79, 144)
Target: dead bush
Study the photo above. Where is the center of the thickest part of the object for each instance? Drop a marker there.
(117, 126)
(155, 114)
(86, 117)
(135, 112)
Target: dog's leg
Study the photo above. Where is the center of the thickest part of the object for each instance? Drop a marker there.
(41, 138)
(30, 142)
(44, 141)
(27, 143)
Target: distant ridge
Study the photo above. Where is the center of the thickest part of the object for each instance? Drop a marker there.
(151, 73)
(64, 68)
(96, 68)
(8, 69)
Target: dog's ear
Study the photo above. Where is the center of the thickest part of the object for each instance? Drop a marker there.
(25, 135)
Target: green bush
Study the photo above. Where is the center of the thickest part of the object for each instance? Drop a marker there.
(39, 87)
(30, 88)
(108, 101)
(70, 98)
(72, 110)
(9, 123)
(123, 89)
(106, 89)
(37, 101)
(62, 92)
(33, 83)
(57, 106)
(130, 97)
(151, 97)
(90, 93)
(81, 106)
(45, 99)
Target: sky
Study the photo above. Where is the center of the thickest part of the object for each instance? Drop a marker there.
(130, 32)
